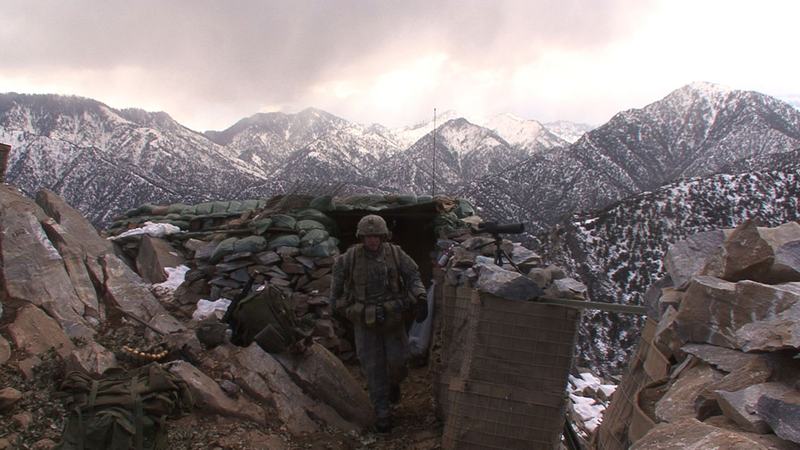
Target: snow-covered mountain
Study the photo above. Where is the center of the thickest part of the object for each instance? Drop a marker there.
(528, 135)
(269, 141)
(618, 251)
(696, 130)
(409, 135)
(104, 161)
(464, 151)
(568, 131)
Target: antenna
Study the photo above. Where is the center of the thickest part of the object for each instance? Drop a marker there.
(433, 176)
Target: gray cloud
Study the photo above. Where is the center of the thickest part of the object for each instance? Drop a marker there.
(256, 53)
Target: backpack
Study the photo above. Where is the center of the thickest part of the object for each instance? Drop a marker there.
(122, 410)
(266, 318)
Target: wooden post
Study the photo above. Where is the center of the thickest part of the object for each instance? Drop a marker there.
(5, 150)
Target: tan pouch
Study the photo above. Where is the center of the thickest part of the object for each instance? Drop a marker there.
(370, 315)
(355, 312)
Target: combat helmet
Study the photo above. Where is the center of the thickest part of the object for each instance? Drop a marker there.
(372, 225)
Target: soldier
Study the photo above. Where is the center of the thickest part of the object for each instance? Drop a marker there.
(373, 285)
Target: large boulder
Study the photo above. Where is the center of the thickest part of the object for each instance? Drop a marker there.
(690, 433)
(265, 378)
(686, 258)
(712, 310)
(32, 268)
(5, 350)
(73, 222)
(679, 400)
(209, 397)
(34, 332)
(740, 406)
(324, 376)
(130, 295)
(91, 358)
(768, 255)
(781, 332)
(506, 284)
(155, 255)
(781, 410)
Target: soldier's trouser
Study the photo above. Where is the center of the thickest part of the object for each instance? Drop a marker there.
(383, 355)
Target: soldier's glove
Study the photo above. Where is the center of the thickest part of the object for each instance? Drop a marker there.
(421, 309)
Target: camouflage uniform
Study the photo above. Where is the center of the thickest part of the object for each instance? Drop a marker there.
(387, 277)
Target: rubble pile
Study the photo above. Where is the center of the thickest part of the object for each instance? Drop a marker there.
(717, 365)
(589, 396)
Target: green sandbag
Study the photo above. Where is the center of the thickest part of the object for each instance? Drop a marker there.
(319, 216)
(223, 249)
(260, 226)
(234, 206)
(328, 247)
(249, 204)
(287, 240)
(313, 237)
(424, 199)
(283, 221)
(252, 244)
(219, 207)
(322, 203)
(176, 208)
(409, 199)
(308, 224)
(204, 209)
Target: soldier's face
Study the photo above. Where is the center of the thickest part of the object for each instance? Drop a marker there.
(372, 243)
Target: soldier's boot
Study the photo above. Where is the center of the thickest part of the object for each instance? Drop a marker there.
(394, 394)
(383, 424)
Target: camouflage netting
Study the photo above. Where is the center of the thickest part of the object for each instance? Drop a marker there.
(289, 242)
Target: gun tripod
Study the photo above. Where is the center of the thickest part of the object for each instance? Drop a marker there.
(499, 253)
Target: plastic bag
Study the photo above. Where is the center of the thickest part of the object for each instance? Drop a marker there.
(206, 308)
(419, 336)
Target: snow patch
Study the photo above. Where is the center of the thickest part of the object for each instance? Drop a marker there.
(151, 229)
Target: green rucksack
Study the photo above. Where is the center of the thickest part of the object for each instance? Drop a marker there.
(266, 318)
(122, 410)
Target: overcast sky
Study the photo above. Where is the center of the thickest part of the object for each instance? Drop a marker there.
(211, 63)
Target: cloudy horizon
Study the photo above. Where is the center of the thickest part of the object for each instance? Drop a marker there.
(209, 65)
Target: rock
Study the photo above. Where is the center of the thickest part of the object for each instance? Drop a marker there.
(5, 350)
(7, 442)
(569, 288)
(268, 258)
(35, 332)
(744, 302)
(44, 444)
(679, 400)
(209, 397)
(777, 333)
(130, 295)
(722, 358)
(92, 358)
(540, 276)
(265, 378)
(8, 397)
(768, 255)
(506, 284)
(156, 254)
(686, 258)
(322, 374)
(74, 256)
(211, 332)
(73, 222)
(254, 439)
(22, 420)
(653, 295)
(740, 406)
(665, 337)
(781, 410)
(29, 257)
(319, 285)
(690, 433)
(230, 388)
(27, 365)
